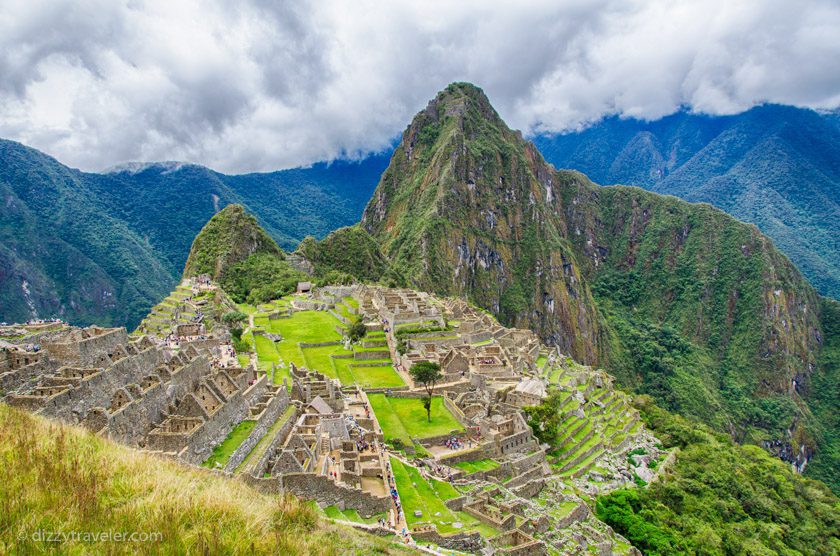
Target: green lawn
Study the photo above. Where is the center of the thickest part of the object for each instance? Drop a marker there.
(428, 496)
(344, 311)
(319, 358)
(480, 465)
(342, 369)
(405, 418)
(266, 351)
(307, 326)
(376, 377)
(221, 453)
(350, 371)
(350, 302)
(351, 515)
(268, 354)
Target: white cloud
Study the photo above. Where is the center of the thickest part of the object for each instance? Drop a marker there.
(265, 85)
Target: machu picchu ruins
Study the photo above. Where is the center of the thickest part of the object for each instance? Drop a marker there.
(299, 408)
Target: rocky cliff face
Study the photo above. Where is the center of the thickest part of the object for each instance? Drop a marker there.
(680, 299)
(465, 208)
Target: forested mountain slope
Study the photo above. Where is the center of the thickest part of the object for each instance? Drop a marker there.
(775, 166)
(104, 248)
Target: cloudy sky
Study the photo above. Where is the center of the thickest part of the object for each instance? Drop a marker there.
(262, 85)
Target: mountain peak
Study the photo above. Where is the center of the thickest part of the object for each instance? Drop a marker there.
(230, 237)
(463, 102)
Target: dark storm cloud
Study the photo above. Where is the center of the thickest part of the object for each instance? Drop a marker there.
(263, 85)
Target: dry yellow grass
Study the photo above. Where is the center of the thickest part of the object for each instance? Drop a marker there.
(60, 479)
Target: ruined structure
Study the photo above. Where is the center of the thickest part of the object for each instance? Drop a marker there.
(177, 388)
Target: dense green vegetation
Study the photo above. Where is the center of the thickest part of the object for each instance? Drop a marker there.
(721, 498)
(350, 251)
(234, 250)
(773, 166)
(825, 400)
(104, 248)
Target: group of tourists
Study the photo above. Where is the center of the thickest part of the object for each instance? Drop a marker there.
(453, 443)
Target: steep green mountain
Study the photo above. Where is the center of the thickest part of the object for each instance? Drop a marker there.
(104, 248)
(678, 300)
(460, 209)
(775, 166)
(352, 251)
(233, 250)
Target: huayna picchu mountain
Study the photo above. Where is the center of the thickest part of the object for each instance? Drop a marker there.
(677, 300)
(235, 251)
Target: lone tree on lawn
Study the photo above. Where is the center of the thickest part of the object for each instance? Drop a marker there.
(357, 330)
(426, 373)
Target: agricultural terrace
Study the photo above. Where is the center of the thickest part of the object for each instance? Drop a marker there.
(429, 497)
(221, 453)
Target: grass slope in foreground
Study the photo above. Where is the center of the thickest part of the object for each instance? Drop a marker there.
(63, 479)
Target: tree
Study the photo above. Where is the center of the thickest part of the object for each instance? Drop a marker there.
(232, 318)
(426, 373)
(357, 330)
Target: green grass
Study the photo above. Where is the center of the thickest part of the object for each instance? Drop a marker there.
(405, 418)
(266, 351)
(307, 326)
(344, 311)
(376, 377)
(221, 453)
(480, 465)
(350, 302)
(61, 478)
(428, 496)
(351, 515)
(319, 359)
(342, 370)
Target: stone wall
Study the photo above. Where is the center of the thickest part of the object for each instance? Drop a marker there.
(215, 429)
(98, 390)
(482, 451)
(462, 542)
(13, 379)
(258, 467)
(532, 473)
(456, 412)
(529, 489)
(85, 352)
(275, 408)
(327, 493)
